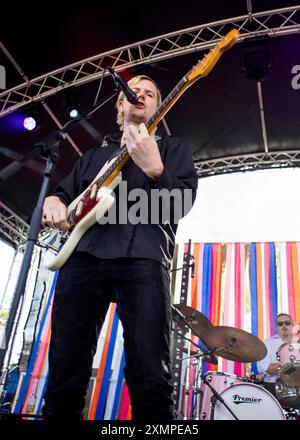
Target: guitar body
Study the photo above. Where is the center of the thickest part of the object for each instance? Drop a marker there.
(105, 167)
(105, 200)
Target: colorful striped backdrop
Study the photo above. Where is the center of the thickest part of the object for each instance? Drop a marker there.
(241, 285)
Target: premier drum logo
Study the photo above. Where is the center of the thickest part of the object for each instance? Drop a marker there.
(237, 399)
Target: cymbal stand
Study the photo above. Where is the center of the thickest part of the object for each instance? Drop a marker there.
(197, 389)
(226, 348)
(198, 370)
(187, 385)
(180, 316)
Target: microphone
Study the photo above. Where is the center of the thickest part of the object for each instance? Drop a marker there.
(123, 87)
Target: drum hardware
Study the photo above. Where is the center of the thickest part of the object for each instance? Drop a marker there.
(253, 378)
(216, 396)
(198, 357)
(289, 397)
(206, 356)
(288, 356)
(191, 353)
(197, 388)
(291, 414)
(233, 344)
(291, 369)
(229, 342)
(187, 317)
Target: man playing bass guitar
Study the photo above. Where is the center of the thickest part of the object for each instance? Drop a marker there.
(125, 257)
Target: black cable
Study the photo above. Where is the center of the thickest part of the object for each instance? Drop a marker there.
(99, 87)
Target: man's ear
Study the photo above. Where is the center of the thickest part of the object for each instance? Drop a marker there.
(120, 105)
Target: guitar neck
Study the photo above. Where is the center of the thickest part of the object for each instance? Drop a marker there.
(166, 104)
(152, 122)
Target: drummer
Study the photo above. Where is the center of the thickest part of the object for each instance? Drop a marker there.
(268, 366)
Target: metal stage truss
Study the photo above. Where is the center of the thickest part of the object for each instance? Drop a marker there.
(198, 38)
(248, 162)
(12, 227)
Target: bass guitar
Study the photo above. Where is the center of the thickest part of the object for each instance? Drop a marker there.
(96, 200)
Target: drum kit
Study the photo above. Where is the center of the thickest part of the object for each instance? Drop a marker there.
(224, 396)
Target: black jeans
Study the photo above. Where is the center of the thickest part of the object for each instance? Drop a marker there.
(86, 285)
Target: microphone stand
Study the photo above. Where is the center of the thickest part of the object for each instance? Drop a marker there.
(48, 147)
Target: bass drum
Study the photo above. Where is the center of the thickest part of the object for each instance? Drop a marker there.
(248, 402)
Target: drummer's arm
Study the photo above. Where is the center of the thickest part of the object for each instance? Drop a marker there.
(265, 364)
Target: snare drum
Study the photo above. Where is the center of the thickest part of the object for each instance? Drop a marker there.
(219, 381)
(248, 402)
(288, 356)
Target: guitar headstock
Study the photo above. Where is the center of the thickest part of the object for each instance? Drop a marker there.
(204, 66)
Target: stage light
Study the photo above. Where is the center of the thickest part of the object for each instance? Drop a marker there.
(31, 118)
(256, 58)
(29, 123)
(73, 112)
(71, 104)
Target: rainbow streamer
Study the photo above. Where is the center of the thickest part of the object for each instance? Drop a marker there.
(101, 379)
(38, 354)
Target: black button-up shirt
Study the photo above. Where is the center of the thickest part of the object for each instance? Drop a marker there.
(155, 241)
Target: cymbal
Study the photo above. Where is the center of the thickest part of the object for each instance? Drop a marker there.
(234, 344)
(196, 319)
